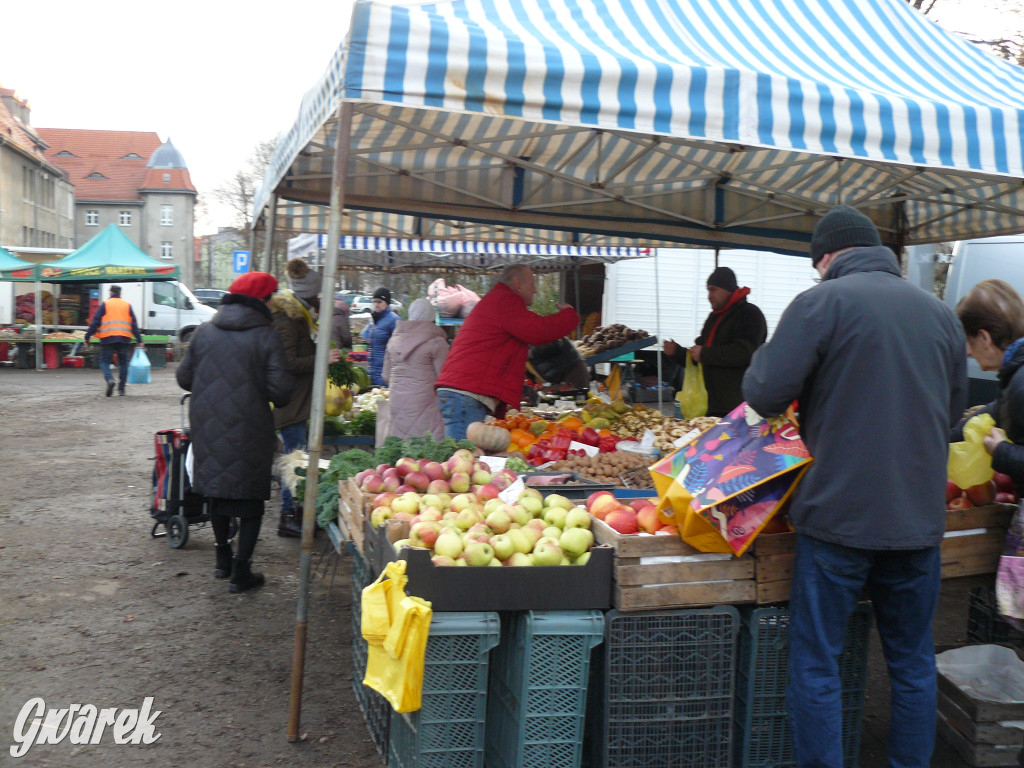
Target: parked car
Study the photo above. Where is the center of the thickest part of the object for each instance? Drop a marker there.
(209, 296)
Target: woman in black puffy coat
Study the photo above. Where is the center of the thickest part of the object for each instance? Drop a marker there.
(992, 314)
(235, 369)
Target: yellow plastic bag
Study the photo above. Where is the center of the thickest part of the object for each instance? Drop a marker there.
(969, 463)
(693, 397)
(380, 601)
(693, 529)
(395, 668)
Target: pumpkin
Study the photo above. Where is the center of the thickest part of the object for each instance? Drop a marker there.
(488, 437)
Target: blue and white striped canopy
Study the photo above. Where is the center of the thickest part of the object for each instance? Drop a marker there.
(708, 122)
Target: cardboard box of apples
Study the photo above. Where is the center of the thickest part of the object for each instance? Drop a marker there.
(543, 545)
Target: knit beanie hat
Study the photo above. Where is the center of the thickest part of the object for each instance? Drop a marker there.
(842, 227)
(383, 294)
(304, 282)
(723, 278)
(259, 285)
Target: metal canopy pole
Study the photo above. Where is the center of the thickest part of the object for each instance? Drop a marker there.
(39, 326)
(316, 426)
(268, 243)
(657, 321)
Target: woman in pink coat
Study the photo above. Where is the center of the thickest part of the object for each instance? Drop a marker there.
(415, 353)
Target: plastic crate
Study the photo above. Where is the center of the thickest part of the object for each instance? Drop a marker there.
(536, 702)
(448, 730)
(762, 727)
(985, 625)
(663, 691)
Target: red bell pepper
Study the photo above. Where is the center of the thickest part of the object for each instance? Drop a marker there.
(562, 439)
(589, 436)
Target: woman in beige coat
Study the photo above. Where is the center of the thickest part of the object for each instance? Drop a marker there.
(415, 353)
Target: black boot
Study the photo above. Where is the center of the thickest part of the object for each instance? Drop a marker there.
(223, 569)
(290, 524)
(243, 577)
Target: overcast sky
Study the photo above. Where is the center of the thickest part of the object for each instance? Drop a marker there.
(216, 77)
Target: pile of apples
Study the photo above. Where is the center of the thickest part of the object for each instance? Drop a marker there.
(638, 516)
(462, 473)
(998, 490)
(470, 529)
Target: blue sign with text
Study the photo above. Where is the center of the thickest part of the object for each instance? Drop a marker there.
(241, 262)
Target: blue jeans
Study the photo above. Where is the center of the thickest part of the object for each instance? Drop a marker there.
(459, 411)
(903, 586)
(294, 437)
(124, 359)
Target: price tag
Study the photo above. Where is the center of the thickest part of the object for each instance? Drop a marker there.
(494, 463)
(680, 442)
(647, 441)
(511, 494)
(590, 450)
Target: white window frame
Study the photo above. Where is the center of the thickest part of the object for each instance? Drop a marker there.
(124, 218)
(166, 215)
(92, 218)
(166, 250)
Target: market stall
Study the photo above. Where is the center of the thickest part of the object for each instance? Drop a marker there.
(728, 125)
(109, 256)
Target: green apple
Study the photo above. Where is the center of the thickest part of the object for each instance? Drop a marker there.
(582, 559)
(546, 554)
(519, 558)
(478, 553)
(521, 541)
(577, 517)
(575, 541)
(555, 516)
(503, 545)
(551, 532)
(557, 500)
(531, 504)
(449, 543)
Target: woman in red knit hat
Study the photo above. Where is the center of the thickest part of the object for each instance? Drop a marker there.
(235, 368)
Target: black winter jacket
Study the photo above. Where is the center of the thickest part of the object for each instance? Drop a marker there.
(879, 369)
(742, 330)
(234, 368)
(1008, 411)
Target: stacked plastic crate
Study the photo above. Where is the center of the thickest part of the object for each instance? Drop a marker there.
(448, 730)
(985, 625)
(538, 688)
(375, 708)
(762, 729)
(664, 690)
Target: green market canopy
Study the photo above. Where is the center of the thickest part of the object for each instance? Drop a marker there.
(13, 268)
(108, 257)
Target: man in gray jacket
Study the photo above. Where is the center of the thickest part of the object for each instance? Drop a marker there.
(878, 370)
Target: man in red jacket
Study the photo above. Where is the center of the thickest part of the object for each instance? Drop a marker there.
(485, 368)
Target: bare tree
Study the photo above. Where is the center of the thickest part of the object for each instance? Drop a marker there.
(1009, 46)
(238, 192)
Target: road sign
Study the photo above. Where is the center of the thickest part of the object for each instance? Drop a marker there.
(241, 262)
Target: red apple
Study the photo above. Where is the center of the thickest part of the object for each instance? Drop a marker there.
(1003, 483)
(622, 520)
(605, 505)
(981, 494)
(639, 504)
(1002, 497)
(647, 519)
(953, 490)
(960, 502)
(384, 499)
(594, 496)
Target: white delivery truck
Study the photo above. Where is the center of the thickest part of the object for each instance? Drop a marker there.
(163, 308)
(973, 261)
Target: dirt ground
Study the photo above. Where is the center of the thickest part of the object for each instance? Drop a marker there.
(95, 611)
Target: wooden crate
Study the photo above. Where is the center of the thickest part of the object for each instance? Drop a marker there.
(773, 556)
(659, 571)
(974, 540)
(353, 509)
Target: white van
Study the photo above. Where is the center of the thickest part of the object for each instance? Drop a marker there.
(973, 261)
(167, 308)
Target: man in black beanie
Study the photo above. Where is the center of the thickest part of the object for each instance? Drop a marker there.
(733, 330)
(878, 369)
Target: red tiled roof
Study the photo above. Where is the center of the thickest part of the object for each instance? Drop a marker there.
(178, 179)
(105, 152)
(14, 130)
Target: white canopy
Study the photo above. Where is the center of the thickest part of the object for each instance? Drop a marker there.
(707, 122)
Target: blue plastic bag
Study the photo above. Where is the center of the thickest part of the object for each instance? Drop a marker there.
(138, 369)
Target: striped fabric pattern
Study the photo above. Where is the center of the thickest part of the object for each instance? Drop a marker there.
(716, 122)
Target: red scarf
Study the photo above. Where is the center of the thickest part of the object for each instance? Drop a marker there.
(739, 293)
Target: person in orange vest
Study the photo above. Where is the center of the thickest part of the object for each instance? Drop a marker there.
(114, 325)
